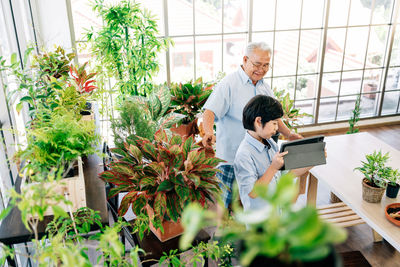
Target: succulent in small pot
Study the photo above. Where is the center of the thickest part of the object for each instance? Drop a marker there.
(393, 183)
(161, 176)
(375, 174)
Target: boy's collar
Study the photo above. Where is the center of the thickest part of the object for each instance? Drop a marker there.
(260, 146)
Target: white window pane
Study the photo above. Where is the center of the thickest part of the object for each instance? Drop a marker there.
(327, 109)
(377, 46)
(310, 41)
(395, 56)
(334, 49)
(234, 46)
(306, 87)
(263, 15)
(208, 16)
(371, 82)
(330, 84)
(338, 12)
(368, 105)
(285, 53)
(84, 18)
(288, 14)
(346, 106)
(182, 59)
(351, 82)
(391, 103)
(161, 76)
(306, 106)
(393, 79)
(268, 38)
(355, 48)
(382, 12)
(180, 17)
(360, 12)
(235, 15)
(313, 12)
(284, 84)
(208, 57)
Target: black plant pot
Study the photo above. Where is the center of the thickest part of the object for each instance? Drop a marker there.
(392, 191)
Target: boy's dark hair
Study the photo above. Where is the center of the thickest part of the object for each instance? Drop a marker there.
(266, 107)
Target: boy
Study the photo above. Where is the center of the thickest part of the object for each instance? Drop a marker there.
(258, 159)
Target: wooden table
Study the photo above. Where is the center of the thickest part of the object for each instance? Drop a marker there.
(345, 153)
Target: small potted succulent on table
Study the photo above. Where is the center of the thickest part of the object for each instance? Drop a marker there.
(161, 178)
(375, 174)
(393, 183)
(188, 99)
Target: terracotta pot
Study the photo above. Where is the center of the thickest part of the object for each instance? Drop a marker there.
(186, 130)
(171, 229)
(390, 218)
(371, 194)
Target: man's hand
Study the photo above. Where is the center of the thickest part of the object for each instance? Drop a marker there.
(277, 160)
(294, 136)
(208, 140)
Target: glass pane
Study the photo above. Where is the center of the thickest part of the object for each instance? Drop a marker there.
(391, 103)
(313, 11)
(346, 106)
(371, 81)
(285, 53)
(355, 48)
(268, 38)
(327, 109)
(393, 79)
(360, 12)
(377, 46)
(395, 56)
(84, 18)
(161, 76)
(263, 15)
(382, 12)
(309, 51)
(306, 106)
(234, 45)
(156, 9)
(368, 104)
(306, 86)
(235, 16)
(338, 12)
(208, 57)
(288, 14)
(286, 84)
(334, 49)
(330, 84)
(180, 17)
(208, 16)
(351, 82)
(181, 55)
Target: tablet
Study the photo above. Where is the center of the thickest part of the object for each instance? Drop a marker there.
(304, 153)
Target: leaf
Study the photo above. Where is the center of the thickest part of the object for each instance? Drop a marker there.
(160, 204)
(59, 212)
(182, 191)
(13, 58)
(26, 99)
(126, 201)
(19, 107)
(165, 186)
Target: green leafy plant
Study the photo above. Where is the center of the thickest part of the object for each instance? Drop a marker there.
(82, 79)
(127, 45)
(162, 176)
(53, 63)
(375, 169)
(393, 177)
(189, 98)
(355, 117)
(291, 115)
(279, 231)
(143, 116)
(56, 140)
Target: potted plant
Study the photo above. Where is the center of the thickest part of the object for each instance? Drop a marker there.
(188, 100)
(375, 174)
(278, 235)
(393, 183)
(161, 177)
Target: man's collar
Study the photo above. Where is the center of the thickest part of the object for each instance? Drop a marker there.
(257, 144)
(245, 78)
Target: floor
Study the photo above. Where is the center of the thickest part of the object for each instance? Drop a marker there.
(360, 236)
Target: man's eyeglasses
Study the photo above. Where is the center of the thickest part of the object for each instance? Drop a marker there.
(258, 65)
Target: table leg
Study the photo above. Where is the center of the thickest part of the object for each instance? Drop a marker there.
(377, 237)
(312, 190)
(303, 183)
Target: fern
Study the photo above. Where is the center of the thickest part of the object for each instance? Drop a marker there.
(355, 117)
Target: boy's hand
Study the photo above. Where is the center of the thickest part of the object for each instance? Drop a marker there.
(277, 160)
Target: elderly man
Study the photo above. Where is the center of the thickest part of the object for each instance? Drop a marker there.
(225, 106)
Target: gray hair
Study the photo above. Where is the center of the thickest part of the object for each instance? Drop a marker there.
(256, 45)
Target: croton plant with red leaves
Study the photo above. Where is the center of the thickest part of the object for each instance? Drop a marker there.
(163, 176)
(82, 79)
